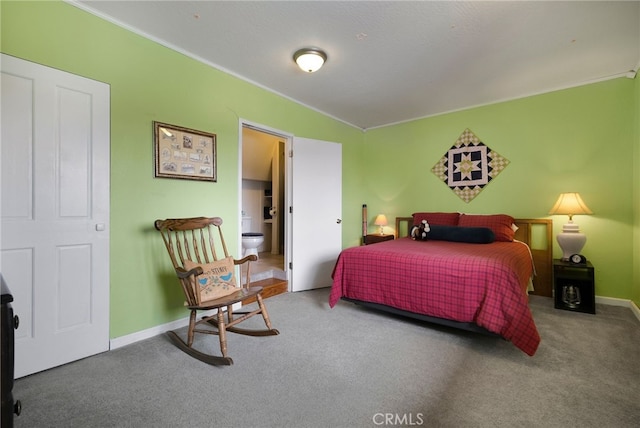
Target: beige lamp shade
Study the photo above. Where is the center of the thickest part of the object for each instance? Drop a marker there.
(570, 240)
(570, 204)
(381, 220)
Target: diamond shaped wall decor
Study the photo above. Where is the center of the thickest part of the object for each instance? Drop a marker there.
(468, 166)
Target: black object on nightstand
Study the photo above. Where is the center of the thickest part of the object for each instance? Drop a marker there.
(574, 286)
(374, 239)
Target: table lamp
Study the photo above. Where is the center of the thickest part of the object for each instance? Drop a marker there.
(381, 220)
(570, 240)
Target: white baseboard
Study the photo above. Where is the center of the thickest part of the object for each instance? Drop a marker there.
(635, 310)
(612, 301)
(121, 341)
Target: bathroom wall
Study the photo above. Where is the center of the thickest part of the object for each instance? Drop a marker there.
(258, 151)
(252, 206)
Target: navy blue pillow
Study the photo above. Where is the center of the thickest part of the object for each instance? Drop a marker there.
(471, 235)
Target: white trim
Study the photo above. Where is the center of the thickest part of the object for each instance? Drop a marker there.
(635, 309)
(87, 8)
(168, 45)
(288, 142)
(633, 72)
(507, 99)
(612, 301)
(121, 341)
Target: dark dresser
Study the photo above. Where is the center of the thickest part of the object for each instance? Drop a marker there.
(8, 324)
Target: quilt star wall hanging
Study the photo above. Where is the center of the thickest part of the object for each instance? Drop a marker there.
(468, 166)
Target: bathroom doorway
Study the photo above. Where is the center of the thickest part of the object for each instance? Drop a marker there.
(263, 184)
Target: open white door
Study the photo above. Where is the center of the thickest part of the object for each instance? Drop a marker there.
(55, 213)
(316, 212)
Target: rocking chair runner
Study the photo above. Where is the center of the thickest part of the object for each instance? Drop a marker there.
(191, 242)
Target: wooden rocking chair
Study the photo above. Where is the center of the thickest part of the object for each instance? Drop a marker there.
(204, 277)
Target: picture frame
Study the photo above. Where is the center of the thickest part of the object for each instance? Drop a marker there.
(184, 153)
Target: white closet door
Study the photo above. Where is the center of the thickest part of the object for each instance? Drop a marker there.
(55, 212)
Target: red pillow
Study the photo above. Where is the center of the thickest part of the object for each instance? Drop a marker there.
(500, 224)
(440, 219)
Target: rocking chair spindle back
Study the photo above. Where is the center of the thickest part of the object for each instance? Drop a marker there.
(192, 242)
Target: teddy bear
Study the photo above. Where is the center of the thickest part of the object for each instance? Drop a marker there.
(420, 231)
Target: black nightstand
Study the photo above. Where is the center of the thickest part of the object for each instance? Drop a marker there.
(374, 239)
(574, 286)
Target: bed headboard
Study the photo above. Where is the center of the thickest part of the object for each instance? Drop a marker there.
(536, 233)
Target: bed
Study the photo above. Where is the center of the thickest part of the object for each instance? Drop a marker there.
(475, 286)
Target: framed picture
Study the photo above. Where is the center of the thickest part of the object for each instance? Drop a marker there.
(184, 153)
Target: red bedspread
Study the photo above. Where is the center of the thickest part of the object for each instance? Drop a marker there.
(480, 283)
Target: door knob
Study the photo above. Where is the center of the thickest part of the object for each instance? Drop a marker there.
(339, 220)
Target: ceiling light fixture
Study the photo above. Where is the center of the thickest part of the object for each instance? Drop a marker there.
(309, 59)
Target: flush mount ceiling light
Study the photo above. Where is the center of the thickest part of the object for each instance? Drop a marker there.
(309, 59)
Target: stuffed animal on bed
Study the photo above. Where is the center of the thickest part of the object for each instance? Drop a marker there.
(420, 231)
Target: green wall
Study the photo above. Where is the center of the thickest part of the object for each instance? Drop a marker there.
(150, 82)
(580, 139)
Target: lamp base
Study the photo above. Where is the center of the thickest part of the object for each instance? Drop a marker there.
(571, 242)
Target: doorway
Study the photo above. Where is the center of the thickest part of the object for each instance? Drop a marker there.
(263, 195)
(315, 204)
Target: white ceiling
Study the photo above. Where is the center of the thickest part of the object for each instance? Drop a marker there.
(394, 61)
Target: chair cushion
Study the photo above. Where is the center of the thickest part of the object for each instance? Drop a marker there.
(217, 279)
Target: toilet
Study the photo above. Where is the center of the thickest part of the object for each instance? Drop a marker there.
(250, 240)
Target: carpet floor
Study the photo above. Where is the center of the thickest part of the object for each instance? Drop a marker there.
(353, 367)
